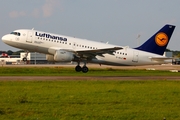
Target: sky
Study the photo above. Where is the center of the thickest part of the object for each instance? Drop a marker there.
(120, 22)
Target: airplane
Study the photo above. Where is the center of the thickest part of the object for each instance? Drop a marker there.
(60, 48)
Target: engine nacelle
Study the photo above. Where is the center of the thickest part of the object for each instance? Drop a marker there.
(50, 58)
(63, 56)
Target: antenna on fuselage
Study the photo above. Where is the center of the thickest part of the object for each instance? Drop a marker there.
(32, 28)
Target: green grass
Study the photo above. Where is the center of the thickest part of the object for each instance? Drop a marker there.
(98, 100)
(60, 71)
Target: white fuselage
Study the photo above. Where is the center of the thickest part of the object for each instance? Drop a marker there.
(42, 42)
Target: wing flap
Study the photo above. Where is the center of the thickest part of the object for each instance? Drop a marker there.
(99, 52)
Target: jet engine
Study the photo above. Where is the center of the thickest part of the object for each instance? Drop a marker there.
(61, 56)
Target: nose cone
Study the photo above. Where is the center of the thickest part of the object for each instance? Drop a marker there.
(5, 38)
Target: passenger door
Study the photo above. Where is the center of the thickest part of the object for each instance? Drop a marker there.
(29, 37)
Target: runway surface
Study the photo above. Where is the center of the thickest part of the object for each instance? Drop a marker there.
(155, 67)
(61, 78)
(120, 78)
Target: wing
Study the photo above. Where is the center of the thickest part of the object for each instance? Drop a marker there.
(94, 52)
(88, 54)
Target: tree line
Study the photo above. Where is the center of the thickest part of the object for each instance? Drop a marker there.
(10, 52)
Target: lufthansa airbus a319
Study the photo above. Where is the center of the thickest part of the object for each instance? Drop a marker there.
(60, 48)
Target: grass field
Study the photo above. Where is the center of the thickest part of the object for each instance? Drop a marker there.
(100, 100)
(63, 71)
(97, 100)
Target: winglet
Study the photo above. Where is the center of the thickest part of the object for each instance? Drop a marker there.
(158, 42)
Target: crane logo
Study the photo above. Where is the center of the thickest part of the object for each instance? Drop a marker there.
(161, 39)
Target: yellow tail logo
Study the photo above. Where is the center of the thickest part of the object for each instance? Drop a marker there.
(161, 39)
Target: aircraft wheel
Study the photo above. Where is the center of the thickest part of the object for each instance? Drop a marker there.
(85, 69)
(78, 68)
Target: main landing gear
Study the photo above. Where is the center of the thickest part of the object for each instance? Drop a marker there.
(84, 69)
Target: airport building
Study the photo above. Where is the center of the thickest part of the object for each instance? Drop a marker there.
(32, 58)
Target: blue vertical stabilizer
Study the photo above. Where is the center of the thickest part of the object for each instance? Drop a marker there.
(158, 42)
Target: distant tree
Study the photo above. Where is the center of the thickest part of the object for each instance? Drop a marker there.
(167, 50)
(9, 52)
(175, 53)
(2, 52)
(18, 52)
(178, 55)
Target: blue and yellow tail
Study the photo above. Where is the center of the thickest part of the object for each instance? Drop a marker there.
(158, 42)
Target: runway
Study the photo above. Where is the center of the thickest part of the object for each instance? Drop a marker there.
(155, 67)
(95, 78)
(116, 78)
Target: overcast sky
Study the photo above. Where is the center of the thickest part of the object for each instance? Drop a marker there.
(116, 21)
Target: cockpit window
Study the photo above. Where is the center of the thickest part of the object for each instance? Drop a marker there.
(15, 33)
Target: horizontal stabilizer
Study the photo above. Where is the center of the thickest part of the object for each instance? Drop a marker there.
(160, 59)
